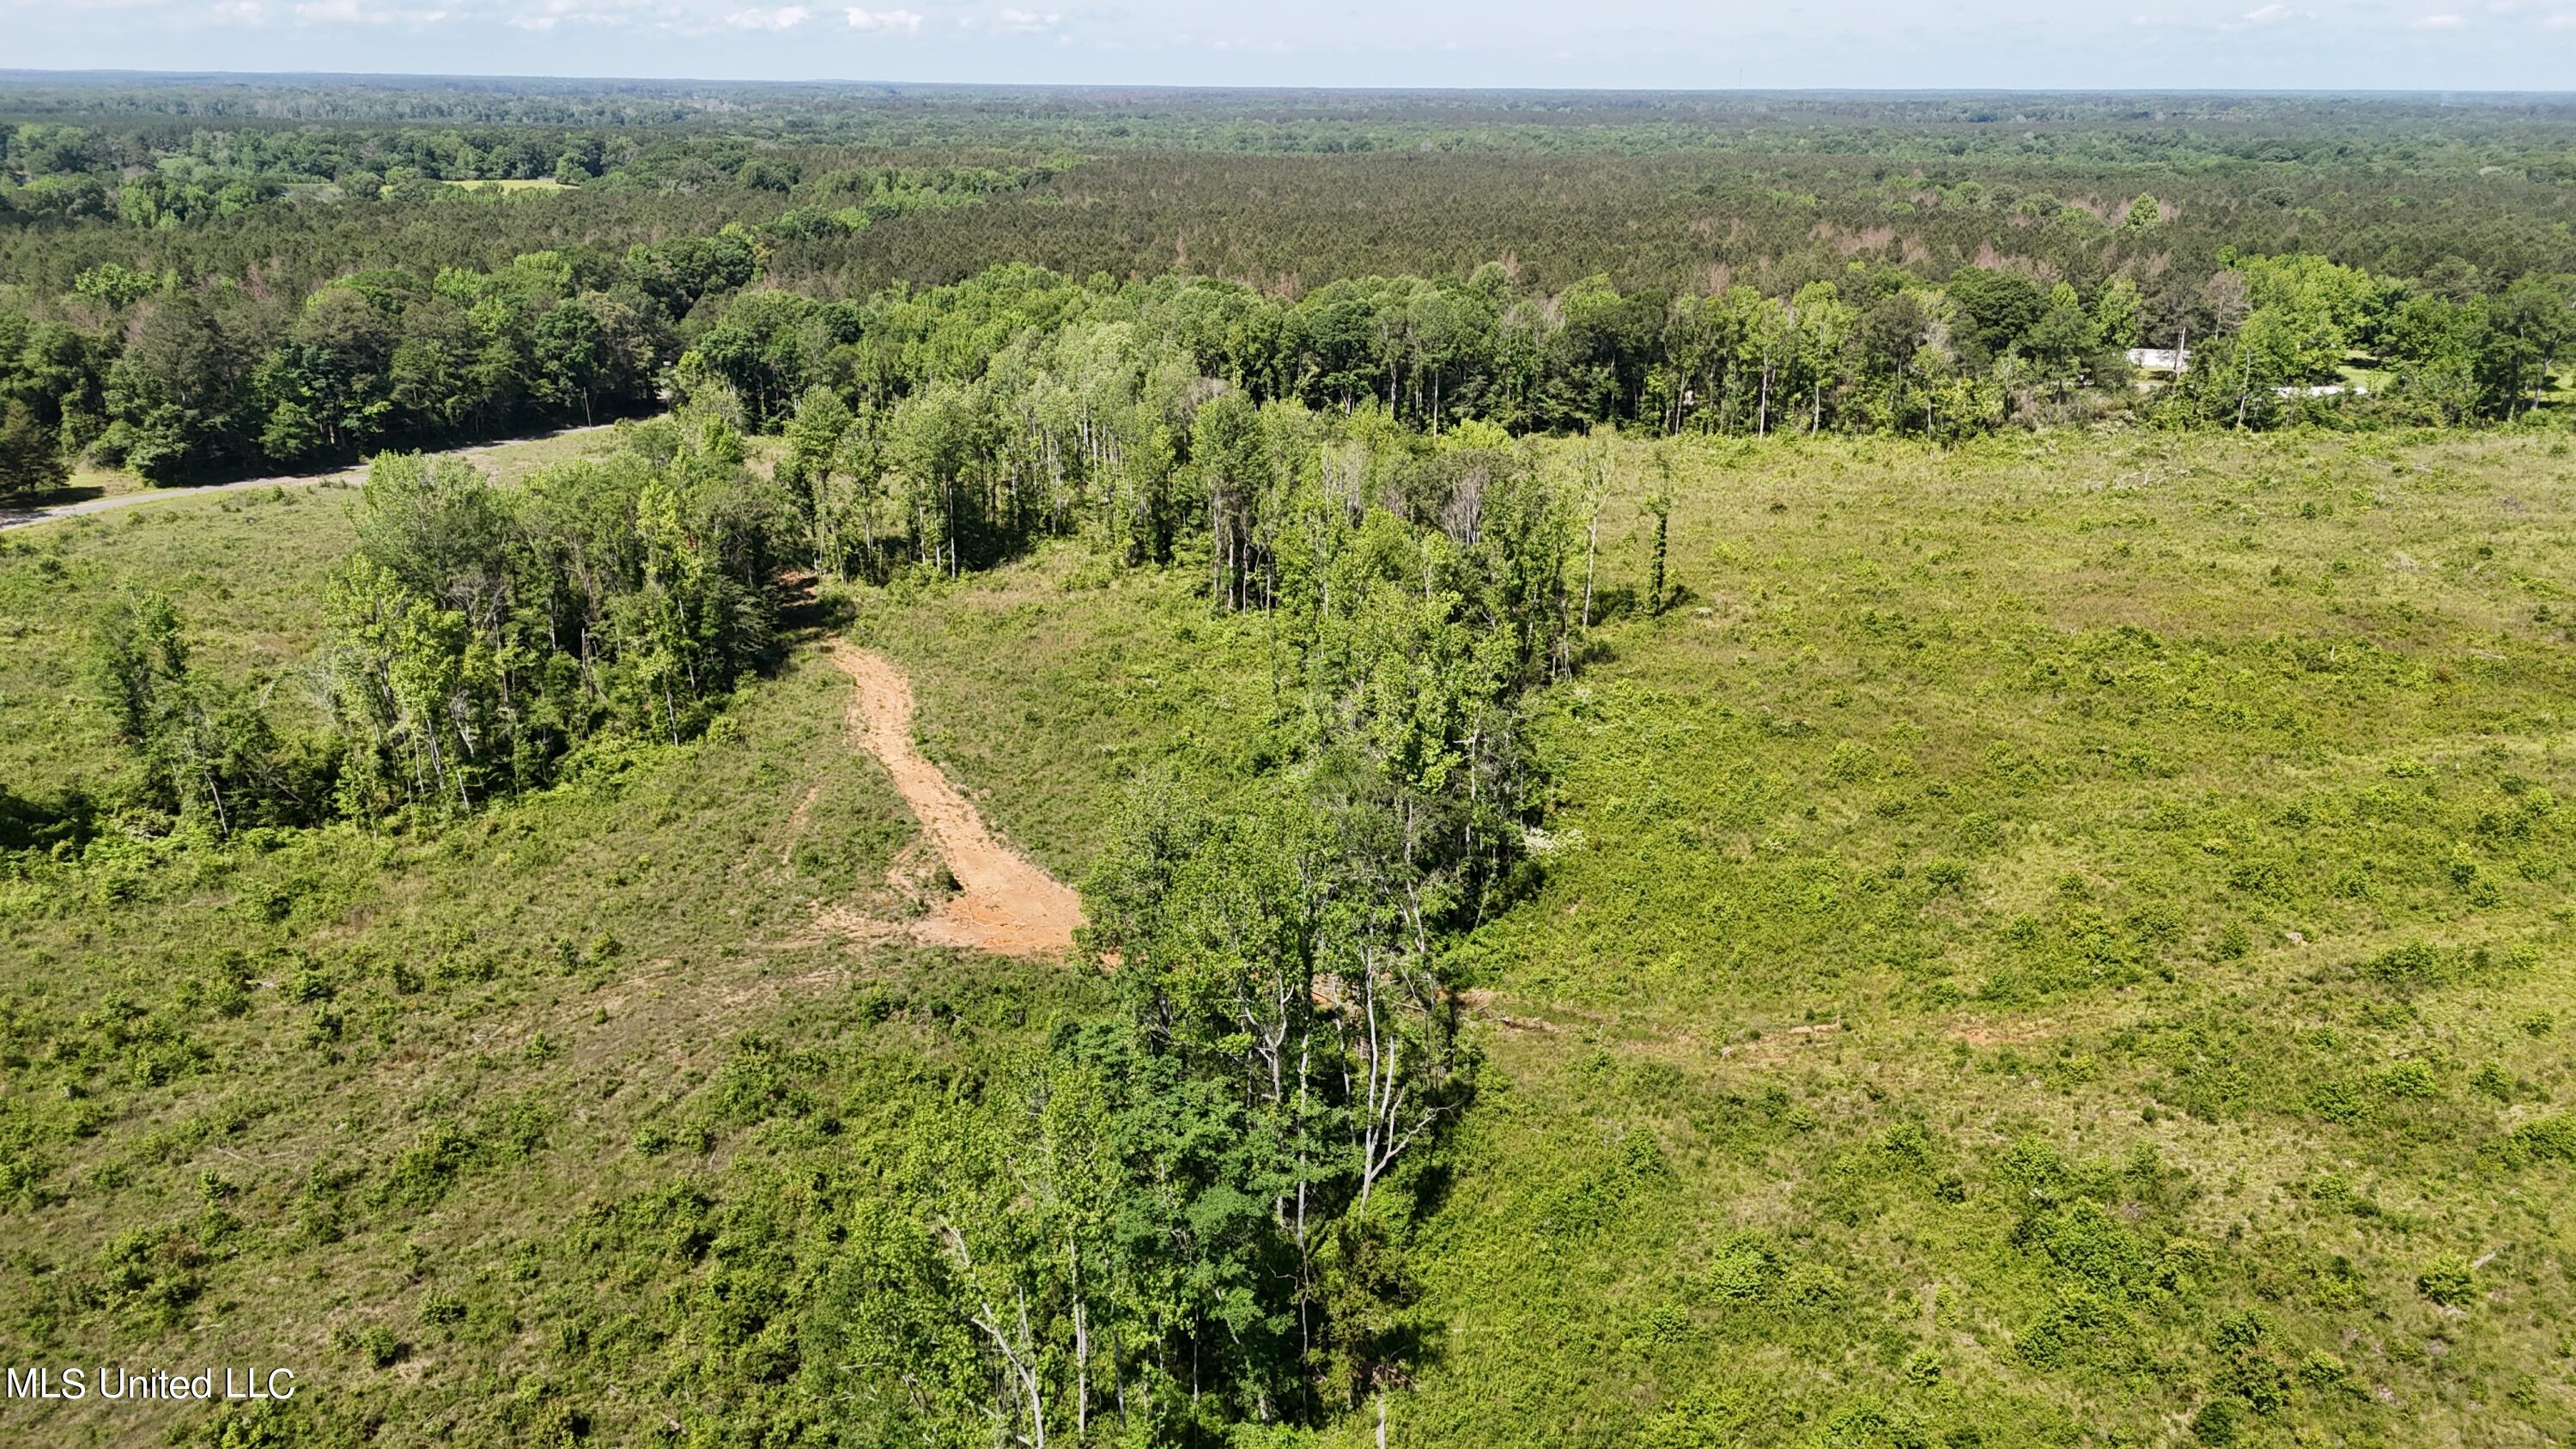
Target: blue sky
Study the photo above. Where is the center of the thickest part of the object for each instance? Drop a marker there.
(2257, 44)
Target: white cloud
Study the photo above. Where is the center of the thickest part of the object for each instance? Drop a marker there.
(889, 22)
(2346, 44)
(352, 12)
(551, 13)
(341, 12)
(2267, 15)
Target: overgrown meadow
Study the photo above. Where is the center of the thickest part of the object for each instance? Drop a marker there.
(2058, 941)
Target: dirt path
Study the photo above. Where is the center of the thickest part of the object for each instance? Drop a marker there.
(29, 517)
(1005, 904)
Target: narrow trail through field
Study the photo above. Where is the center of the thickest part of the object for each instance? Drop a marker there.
(28, 517)
(1005, 903)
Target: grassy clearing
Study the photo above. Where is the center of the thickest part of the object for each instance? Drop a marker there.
(2038, 942)
(511, 188)
(243, 566)
(2180, 815)
(244, 569)
(1046, 687)
(2053, 682)
(91, 481)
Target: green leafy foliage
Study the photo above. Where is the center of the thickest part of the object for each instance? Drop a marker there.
(1951, 935)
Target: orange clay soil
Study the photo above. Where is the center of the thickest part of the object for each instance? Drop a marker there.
(1005, 904)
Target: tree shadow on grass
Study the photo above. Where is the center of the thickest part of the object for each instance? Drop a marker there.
(806, 615)
(32, 824)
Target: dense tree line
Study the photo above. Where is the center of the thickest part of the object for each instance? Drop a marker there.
(475, 638)
(963, 421)
(290, 210)
(1678, 221)
(178, 381)
(1023, 401)
(2395, 132)
(1292, 190)
(1685, 223)
(162, 180)
(2277, 330)
(221, 380)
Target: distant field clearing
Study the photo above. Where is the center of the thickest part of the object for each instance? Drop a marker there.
(541, 184)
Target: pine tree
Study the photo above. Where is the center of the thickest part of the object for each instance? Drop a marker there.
(31, 458)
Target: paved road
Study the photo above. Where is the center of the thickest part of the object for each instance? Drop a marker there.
(29, 517)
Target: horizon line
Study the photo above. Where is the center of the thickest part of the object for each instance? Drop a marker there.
(15, 74)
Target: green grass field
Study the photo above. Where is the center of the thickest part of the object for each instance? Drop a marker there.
(2038, 939)
(2181, 816)
(2058, 942)
(511, 188)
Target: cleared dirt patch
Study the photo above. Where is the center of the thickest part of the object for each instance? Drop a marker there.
(1004, 903)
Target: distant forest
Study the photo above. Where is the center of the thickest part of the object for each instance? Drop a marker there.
(203, 277)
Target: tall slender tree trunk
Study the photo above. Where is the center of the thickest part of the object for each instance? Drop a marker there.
(1655, 598)
(1081, 1349)
(1591, 551)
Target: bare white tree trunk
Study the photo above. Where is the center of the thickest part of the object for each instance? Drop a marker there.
(1020, 1357)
